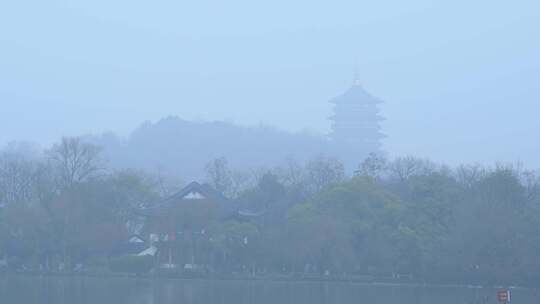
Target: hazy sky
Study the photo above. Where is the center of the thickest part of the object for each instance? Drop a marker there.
(460, 78)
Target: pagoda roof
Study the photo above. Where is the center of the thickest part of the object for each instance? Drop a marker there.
(358, 119)
(354, 135)
(355, 95)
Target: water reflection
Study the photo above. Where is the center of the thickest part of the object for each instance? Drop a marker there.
(75, 290)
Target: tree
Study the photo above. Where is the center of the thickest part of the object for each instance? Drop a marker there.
(292, 174)
(496, 227)
(86, 219)
(531, 181)
(235, 243)
(25, 232)
(75, 161)
(347, 227)
(317, 241)
(404, 168)
(373, 166)
(271, 189)
(128, 190)
(324, 171)
(18, 178)
(468, 175)
(219, 175)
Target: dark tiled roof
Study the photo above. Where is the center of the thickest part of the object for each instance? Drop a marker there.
(127, 248)
(162, 207)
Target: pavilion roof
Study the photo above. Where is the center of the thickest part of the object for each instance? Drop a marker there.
(192, 192)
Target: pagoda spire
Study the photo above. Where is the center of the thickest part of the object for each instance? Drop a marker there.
(356, 76)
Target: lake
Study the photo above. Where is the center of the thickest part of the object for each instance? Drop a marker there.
(16, 289)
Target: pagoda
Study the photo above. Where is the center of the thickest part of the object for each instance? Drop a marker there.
(356, 121)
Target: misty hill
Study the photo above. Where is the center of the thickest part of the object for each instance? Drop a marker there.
(176, 146)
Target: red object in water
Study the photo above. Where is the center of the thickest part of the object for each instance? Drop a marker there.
(503, 296)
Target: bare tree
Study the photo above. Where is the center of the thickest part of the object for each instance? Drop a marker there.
(241, 181)
(165, 183)
(18, 177)
(219, 175)
(75, 161)
(373, 166)
(291, 173)
(468, 175)
(324, 171)
(404, 168)
(531, 182)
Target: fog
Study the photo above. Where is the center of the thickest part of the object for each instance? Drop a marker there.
(269, 152)
(459, 78)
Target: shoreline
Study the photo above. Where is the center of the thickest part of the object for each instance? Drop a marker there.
(269, 278)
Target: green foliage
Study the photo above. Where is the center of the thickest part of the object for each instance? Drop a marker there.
(339, 228)
(406, 215)
(132, 264)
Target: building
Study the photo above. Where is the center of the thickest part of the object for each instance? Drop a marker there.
(177, 226)
(356, 121)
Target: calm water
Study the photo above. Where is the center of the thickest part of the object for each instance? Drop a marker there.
(60, 290)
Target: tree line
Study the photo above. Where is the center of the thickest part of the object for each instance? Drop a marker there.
(402, 216)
